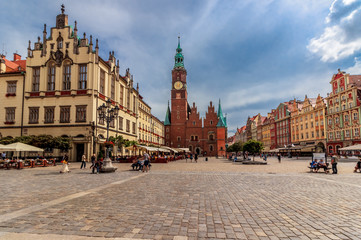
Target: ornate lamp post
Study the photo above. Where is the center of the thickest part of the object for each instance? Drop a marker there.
(108, 114)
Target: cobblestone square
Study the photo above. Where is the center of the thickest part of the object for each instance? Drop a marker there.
(217, 199)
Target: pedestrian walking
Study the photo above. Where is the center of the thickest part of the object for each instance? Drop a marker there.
(191, 157)
(196, 157)
(93, 158)
(334, 161)
(186, 156)
(146, 162)
(83, 161)
(65, 167)
(97, 165)
(279, 157)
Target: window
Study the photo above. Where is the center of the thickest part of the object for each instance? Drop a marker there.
(337, 119)
(65, 114)
(33, 114)
(211, 137)
(313, 134)
(346, 118)
(81, 113)
(112, 88)
(134, 127)
(211, 124)
(355, 116)
(134, 104)
(336, 109)
(112, 123)
(51, 77)
(11, 87)
(194, 123)
(102, 82)
(66, 76)
(120, 123)
(211, 148)
(36, 79)
(49, 114)
(301, 126)
(82, 76)
(343, 107)
(356, 132)
(338, 134)
(306, 126)
(60, 42)
(350, 105)
(127, 126)
(10, 115)
(330, 135)
(306, 135)
(121, 93)
(347, 132)
(178, 139)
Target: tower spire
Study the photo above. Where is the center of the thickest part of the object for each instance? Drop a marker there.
(167, 117)
(222, 122)
(179, 58)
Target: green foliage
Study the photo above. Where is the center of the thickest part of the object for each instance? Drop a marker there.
(253, 146)
(130, 143)
(41, 141)
(118, 141)
(235, 147)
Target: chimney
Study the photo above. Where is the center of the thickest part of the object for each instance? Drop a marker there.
(17, 57)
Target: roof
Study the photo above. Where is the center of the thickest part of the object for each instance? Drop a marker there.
(355, 79)
(14, 66)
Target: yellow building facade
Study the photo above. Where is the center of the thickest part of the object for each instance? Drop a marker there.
(66, 81)
(308, 124)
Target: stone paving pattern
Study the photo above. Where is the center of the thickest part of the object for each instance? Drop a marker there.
(205, 200)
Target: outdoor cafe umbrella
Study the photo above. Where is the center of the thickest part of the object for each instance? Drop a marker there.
(6, 148)
(22, 147)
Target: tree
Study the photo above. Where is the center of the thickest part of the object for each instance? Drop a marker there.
(235, 147)
(119, 141)
(253, 147)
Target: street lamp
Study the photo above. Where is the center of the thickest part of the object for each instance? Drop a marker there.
(108, 114)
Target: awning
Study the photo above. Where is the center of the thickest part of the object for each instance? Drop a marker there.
(6, 148)
(171, 149)
(184, 149)
(22, 147)
(274, 150)
(356, 147)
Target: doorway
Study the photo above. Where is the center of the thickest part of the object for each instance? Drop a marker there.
(79, 151)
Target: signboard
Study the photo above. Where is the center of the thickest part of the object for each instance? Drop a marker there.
(319, 156)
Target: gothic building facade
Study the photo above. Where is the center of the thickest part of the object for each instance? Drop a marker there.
(184, 128)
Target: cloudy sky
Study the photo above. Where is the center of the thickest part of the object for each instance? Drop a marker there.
(250, 54)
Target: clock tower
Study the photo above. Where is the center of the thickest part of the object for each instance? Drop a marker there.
(179, 103)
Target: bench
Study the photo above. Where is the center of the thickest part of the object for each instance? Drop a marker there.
(325, 169)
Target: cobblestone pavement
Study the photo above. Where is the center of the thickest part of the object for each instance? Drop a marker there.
(205, 200)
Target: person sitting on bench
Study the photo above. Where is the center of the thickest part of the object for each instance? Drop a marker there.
(358, 165)
(321, 164)
(313, 164)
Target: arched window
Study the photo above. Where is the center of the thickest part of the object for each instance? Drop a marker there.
(211, 148)
(60, 42)
(330, 149)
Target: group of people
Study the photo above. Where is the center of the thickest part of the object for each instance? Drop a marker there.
(96, 164)
(317, 165)
(190, 156)
(142, 164)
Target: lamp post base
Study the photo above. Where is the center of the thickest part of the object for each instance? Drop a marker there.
(108, 166)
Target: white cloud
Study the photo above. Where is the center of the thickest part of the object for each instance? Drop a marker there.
(356, 68)
(342, 38)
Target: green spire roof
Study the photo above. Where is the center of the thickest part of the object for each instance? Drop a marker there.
(179, 58)
(167, 117)
(222, 121)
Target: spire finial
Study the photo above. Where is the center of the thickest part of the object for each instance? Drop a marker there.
(62, 8)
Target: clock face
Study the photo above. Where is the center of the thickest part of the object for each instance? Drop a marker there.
(178, 85)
